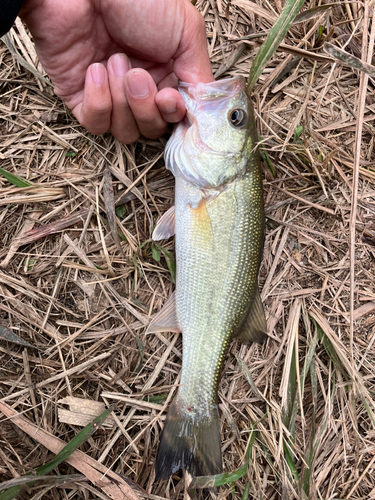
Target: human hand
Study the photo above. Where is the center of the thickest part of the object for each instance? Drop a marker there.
(116, 62)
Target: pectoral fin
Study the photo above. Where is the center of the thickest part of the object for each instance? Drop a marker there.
(165, 227)
(254, 326)
(166, 319)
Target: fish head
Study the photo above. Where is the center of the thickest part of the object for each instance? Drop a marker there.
(214, 143)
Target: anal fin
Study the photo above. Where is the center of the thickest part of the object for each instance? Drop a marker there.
(166, 319)
(165, 227)
(254, 326)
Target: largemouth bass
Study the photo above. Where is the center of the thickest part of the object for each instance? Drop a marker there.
(218, 219)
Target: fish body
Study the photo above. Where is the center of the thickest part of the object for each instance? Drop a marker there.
(218, 220)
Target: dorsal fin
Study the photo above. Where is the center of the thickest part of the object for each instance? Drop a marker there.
(165, 226)
(166, 319)
(254, 326)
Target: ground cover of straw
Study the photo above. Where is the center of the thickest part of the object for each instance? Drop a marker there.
(306, 399)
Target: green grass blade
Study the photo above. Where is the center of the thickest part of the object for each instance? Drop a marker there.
(246, 492)
(289, 460)
(370, 413)
(307, 476)
(141, 349)
(264, 156)
(305, 370)
(14, 179)
(329, 348)
(248, 377)
(201, 482)
(314, 12)
(12, 49)
(272, 41)
(10, 493)
(171, 261)
(349, 60)
(65, 453)
(75, 443)
(292, 392)
(21, 480)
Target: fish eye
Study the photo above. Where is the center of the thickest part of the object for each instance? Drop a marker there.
(237, 117)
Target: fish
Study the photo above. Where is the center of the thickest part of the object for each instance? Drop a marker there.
(219, 225)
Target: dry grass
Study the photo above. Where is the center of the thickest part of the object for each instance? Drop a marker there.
(84, 299)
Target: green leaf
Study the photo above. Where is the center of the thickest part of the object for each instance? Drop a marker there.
(320, 34)
(159, 399)
(155, 253)
(30, 263)
(272, 41)
(14, 179)
(121, 211)
(292, 394)
(297, 133)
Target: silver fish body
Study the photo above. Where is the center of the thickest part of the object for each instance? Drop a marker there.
(218, 220)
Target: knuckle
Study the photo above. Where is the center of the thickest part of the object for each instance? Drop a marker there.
(155, 133)
(95, 128)
(126, 137)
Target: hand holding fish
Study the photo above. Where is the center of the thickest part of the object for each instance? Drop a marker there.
(116, 62)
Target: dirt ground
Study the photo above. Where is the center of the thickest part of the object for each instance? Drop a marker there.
(303, 404)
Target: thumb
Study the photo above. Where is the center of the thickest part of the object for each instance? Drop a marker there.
(191, 60)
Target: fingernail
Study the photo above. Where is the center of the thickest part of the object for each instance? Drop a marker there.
(168, 105)
(120, 65)
(138, 84)
(98, 73)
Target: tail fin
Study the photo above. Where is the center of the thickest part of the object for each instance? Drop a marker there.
(190, 441)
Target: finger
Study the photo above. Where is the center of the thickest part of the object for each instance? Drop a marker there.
(141, 91)
(171, 105)
(158, 71)
(191, 61)
(169, 80)
(94, 112)
(123, 124)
